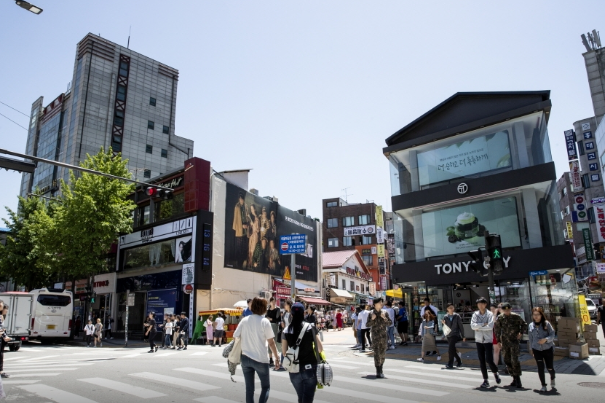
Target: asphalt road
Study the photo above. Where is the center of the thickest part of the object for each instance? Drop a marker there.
(69, 374)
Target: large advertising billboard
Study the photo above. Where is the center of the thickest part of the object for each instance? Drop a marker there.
(480, 154)
(253, 226)
(461, 229)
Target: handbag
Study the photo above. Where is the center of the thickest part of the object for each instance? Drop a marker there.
(291, 357)
(446, 330)
(233, 353)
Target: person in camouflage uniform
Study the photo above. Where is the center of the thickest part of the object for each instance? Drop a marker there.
(379, 321)
(509, 328)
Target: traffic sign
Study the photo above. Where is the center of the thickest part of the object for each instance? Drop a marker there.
(130, 299)
(295, 243)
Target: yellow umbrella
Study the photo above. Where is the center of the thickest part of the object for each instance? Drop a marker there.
(395, 293)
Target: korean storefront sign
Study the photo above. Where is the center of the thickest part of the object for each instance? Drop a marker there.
(356, 272)
(80, 286)
(380, 250)
(569, 230)
(584, 310)
(600, 268)
(580, 207)
(379, 235)
(361, 230)
(588, 244)
(570, 142)
(379, 217)
(188, 273)
(372, 287)
(600, 221)
(576, 178)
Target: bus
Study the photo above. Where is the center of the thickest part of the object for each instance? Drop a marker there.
(51, 314)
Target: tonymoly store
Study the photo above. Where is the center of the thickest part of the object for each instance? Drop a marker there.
(479, 162)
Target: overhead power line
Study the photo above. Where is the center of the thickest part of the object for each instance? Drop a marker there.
(16, 110)
(4, 116)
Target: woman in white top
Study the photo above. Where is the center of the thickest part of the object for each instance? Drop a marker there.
(209, 330)
(99, 333)
(168, 327)
(255, 333)
(90, 330)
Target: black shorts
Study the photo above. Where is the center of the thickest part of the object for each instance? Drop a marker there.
(402, 327)
(218, 334)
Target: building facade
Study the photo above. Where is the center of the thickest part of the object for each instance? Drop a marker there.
(117, 98)
(359, 227)
(480, 162)
(347, 278)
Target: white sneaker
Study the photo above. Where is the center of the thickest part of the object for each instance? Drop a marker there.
(420, 359)
(438, 358)
(392, 348)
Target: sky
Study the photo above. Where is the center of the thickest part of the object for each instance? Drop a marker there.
(304, 93)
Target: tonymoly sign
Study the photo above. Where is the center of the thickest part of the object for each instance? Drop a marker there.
(462, 267)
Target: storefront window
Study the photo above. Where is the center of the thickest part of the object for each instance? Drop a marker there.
(517, 293)
(556, 292)
(150, 255)
(166, 209)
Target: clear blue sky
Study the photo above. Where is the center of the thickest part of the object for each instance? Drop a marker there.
(305, 92)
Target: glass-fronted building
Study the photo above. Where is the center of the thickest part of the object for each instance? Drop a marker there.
(479, 162)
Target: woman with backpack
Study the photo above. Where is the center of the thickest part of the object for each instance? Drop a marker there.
(255, 333)
(541, 337)
(427, 331)
(456, 333)
(304, 335)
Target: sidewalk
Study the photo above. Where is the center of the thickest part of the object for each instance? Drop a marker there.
(594, 365)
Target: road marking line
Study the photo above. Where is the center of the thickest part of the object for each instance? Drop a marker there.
(358, 362)
(40, 358)
(39, 369)
(215, 399)
(31, 365)
(429, 381)
(22, 382)
(26, 375)
(370, 397)
(287, 397)
(219, 375)
(174, 381)
(342, 366)
(462, 372)
(200, 353)
(143, 393)
(131, 355)
(162, 355)
(57, 395)
(445, 375)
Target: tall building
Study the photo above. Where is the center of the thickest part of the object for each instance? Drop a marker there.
(348, 226)
(594, 59)
(478, 162)
(117, 98)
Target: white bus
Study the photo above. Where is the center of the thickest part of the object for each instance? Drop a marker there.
(51, 314)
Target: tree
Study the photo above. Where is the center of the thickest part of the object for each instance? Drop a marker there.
(24, 258)
(94, 210)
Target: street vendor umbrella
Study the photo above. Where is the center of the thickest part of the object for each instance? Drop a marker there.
(395, 293)
(241, 304)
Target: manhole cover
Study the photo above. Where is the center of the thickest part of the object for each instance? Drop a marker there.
(599, 385)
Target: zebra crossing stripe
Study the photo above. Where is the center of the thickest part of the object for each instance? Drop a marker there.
(174, 381)
(143, 393)
(59, 396)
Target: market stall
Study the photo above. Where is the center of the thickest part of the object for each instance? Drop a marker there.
(232, 318)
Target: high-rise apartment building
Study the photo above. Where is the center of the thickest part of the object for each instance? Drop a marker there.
(594, 59)
(117, 98)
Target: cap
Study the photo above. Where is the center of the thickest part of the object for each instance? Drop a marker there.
(506, 305)
(298, 307)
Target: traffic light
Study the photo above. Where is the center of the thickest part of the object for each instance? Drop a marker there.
(494, 249)
(476, 264)
(154, 192)
(92, 298)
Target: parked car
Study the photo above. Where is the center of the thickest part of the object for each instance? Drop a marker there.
(592, 309)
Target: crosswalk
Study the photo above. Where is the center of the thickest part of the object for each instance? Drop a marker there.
(202, 376)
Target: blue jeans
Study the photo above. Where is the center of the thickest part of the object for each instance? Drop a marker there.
(168, 340)
(249, 367)
(305, 383)
(391, 334)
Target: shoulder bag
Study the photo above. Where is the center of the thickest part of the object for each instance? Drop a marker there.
(291, 357)
(325, 375)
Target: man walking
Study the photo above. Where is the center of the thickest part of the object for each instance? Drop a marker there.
(379, 322)
(402, 323)
(509, 328)
(362, 318)
(391, 328)
(184, 332)
(482, 323)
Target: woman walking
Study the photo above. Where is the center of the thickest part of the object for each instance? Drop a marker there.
(305, 380)
(255, 333)
(274, 317)
(168, 326)
(454, 322)
(541, 336)
(427, 331)
(495, 312)
(339, 320)
(90, 331)
(378, 322)
(98, 332)
(151, 332)
(209, 330)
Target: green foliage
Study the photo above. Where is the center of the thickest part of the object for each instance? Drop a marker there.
(94, 211)
(24, 258)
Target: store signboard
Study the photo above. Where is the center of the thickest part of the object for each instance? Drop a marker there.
(104, 283)
(380, 250)
(457, 160)
(580, 207)
(372, 288)
(569, 230)
(570, 142)
(588, 244)
(188, 273)
(584, 310)
(576, 177)
(599, 210)
(159, 300)
(598, 200)
(601, 268)
(379, 235)
(361, 230)
(170, 230)
(379, 217)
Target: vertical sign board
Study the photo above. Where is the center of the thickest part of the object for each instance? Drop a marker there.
(588, 244)
(584, 310)
(203, 246)
(295, 243)
(570, 142)
(576, 177)
(580, 207)
(599, 210)
(569, 230)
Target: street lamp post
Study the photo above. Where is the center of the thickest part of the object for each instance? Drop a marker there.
(29, 7)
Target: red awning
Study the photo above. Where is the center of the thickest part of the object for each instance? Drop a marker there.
(314, 301)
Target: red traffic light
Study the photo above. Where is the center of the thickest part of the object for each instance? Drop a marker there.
(155, 192)
(151, 191)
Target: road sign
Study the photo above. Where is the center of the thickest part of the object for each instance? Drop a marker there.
(188, 288)
(295, 243)
(130, 301)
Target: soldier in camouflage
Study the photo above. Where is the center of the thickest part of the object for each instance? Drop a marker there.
(379, 321)
(509, 328)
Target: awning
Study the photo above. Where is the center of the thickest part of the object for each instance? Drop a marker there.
(335, 292)
(314, 301)
(305, 287)
(395, 293)
(228, 311)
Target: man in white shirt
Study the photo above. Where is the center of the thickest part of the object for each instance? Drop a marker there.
(362, 318)
(388, 308)
(219, 322)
